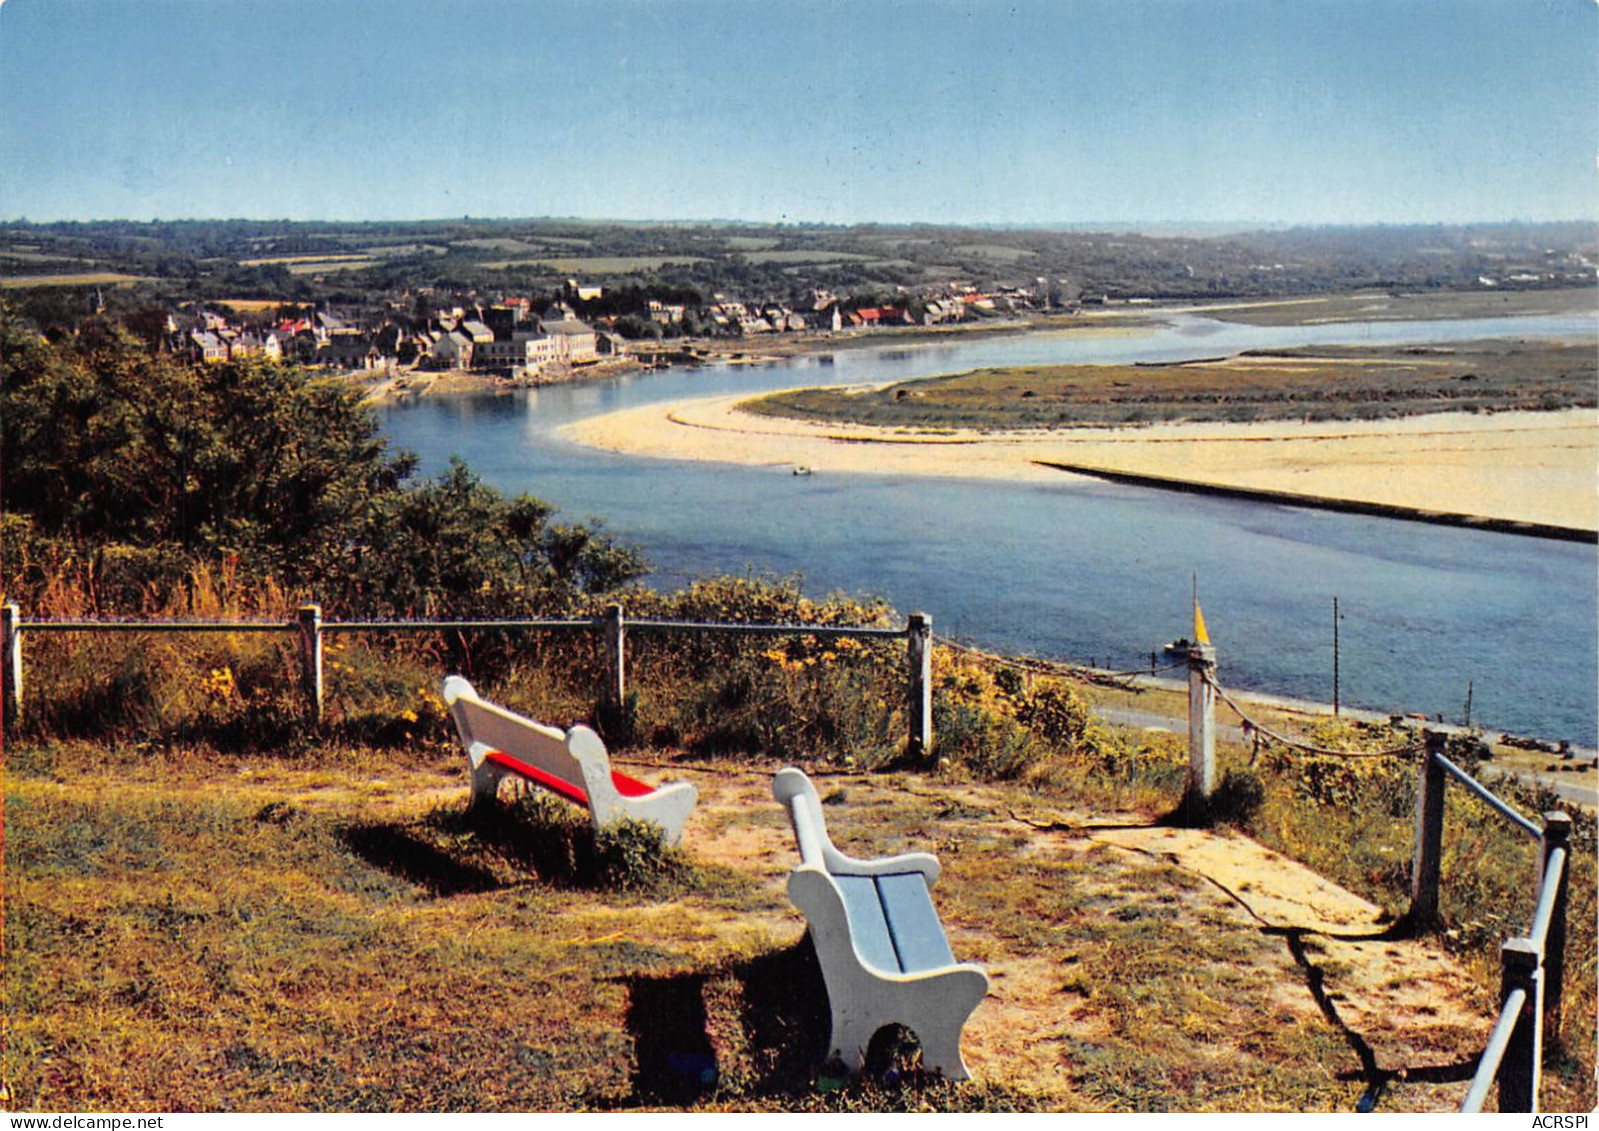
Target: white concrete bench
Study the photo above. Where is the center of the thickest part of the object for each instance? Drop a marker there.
(882, 949)
(572, 763)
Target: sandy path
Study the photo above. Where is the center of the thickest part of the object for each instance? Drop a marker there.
(1321, 948)
(1537, 467)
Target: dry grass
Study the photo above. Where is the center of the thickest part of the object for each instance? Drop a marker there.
(306, 260)
(328, 932)
(210, 905)
(1384, 306)
(250, 305)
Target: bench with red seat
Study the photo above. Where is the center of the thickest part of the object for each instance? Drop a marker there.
(572, 764)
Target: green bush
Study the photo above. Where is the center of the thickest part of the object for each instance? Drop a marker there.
(556, 841)
(992, 723)
(1054, 712)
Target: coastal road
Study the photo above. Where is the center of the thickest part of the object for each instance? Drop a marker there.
(1573, 785)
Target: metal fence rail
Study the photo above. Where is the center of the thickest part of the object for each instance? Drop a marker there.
(381, 626)
(824, 631)
(1531, 979)
(1489, 798)
(1494, 1054)
(309, 628)
(1532, 968)
(152, 626)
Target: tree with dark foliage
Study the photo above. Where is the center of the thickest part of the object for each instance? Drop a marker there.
(139, 467)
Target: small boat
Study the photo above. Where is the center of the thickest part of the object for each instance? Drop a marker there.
(801, 469)
(1178, 647)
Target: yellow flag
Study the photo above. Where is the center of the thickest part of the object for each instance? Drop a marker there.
(1200, 635)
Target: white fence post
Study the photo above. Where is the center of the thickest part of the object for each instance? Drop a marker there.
(1201, 729)
(11, 649)
(919, 654)
(309, 623)
(616, 655)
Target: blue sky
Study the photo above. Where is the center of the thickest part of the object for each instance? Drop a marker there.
(1071, 111)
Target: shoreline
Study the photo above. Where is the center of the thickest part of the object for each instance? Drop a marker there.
(1526, 471)
(1346, 506)
(389, 388)
(1110, 321)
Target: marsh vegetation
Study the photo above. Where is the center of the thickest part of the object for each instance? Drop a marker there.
(1311, 383)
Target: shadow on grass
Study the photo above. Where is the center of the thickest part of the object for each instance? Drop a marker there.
(784, 1015)
(397, 850)
(1234, 802)
(781, 1020)
(453, 851)
(1377, 1078)
(101, 718)
(752, 1033)
(675, 1062)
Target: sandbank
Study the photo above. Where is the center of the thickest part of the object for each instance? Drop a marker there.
(1537, 468)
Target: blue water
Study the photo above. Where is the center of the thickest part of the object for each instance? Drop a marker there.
(1098, 572)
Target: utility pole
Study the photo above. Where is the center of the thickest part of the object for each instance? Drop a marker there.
(1335, 657)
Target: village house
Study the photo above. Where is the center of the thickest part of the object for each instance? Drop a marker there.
(666, 314)
(204, 346)
(527, 350)
(248, 344)
(350, 349)
(781, 318)
(505, 319)
(453, 350)
(576, 340)
(479, 333)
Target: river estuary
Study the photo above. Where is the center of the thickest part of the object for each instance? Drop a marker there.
(1095, 573)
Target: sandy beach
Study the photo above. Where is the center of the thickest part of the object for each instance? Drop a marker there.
(1524, 467)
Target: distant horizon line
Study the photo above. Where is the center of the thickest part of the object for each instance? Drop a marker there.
(714, 221)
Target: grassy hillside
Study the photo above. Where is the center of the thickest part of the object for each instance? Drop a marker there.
(207, 911)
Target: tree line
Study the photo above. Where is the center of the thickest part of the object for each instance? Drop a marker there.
(126, 470)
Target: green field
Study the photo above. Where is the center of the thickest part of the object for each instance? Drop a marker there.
(86, 279)
(1001, 253)
(817, 256)
(599, 264)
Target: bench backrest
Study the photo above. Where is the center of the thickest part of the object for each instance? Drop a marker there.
(794, 789)
(483, 726)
